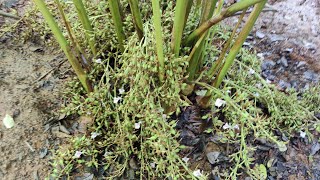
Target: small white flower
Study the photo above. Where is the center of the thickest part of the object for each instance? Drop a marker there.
(197, 173)
(226, 126)
(98, 61)
(236, 127)
(251, 71)
(94, 135)
(121, 91)
(153, 165)
(228, 91)
(268, 81)
(164, 116)
(78, 154)
(302, 134)
(116, 99)
(256, 94)
(137, 125)
(219, 102)
(185, 159)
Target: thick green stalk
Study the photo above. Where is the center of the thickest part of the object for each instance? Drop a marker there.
(74, 43)
(196, 58)
(208, 7)
(159, 40)
(117, 20)
(134, 6)
(64, 45)
(219, 17)
(178, 26)
(239, 41)
(216, 66)
(84, 18)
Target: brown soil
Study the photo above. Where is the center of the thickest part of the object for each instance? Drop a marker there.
(29, 99)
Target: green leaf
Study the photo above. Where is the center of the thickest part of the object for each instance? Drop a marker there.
(8, 121)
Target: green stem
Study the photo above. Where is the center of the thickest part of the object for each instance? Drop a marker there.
(178, 26)
(216, 66)
(217, 18)
(64, 45)
(134, 6)
(239, 41)
(159, 40)
(84, 18)
(117, 20)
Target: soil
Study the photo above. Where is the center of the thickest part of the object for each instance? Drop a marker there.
(30, 98)
(33, 77)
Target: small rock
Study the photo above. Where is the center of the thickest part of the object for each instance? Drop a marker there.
(267, 64)
(301, 63)
(213, 157)
(315, 148)
(62, 116)
(16, 113)
(275, 37)
(260, 35)
(311, 76)
(61, 134)
(64, 129)
(284, 61)
(284, 85)
(43, 152)
(55, 129)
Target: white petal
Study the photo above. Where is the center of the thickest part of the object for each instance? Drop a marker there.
(94, 135)
(302, 134)
(121, 91)
(164, 116)
(197, 173)
(219, 102)
(153, 165)
(185, 159)
(8, 121)
(226, 126)
(137, 125)
(251, 71)
(116, 100)
(78, 154)
(236, 126)
(98, 61)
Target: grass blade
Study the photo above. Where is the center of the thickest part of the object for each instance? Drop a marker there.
(239, 41)
(134, 6)
(178, 26)
(117, 20)
(84, 18)
(159, 40)
(64, 45)
(219, 17)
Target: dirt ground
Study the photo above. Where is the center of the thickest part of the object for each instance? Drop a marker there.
(32, 79)
(31, 98)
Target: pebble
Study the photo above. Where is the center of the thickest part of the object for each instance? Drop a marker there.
(284, 61)
(275, 37)
(43, 152)
(260, 34)
(16, 113)
(311, 76)
(284, 85)
(64, 129)
(301, 63)
(213, 157)
(267, 64)
(315, 148)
